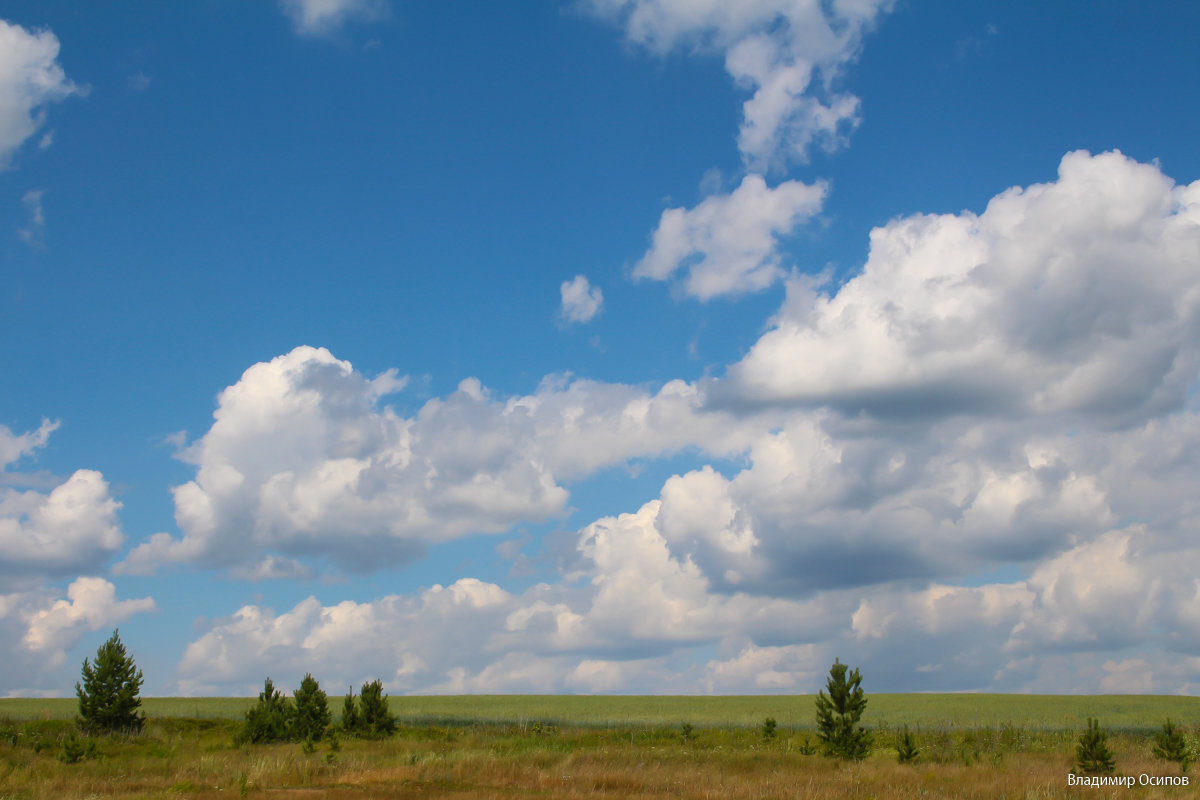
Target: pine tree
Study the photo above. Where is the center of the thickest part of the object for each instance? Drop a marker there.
(312, 710)
(377, 720)
(1092, 754)
(1170, 745)
(906, 747)
(839, 712)
(108, 697)
(271, 719)
(351, 719)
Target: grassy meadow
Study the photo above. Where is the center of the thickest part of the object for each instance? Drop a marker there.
(972, 746)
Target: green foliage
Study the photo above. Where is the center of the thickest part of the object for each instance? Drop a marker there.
(687, 731)
(806, 747)
(377, 720)
(768, 728)
(906, 747)
(74, 751)
(839, 712)
(1171, 745)
(1092, 755)
(351, 719)
(312, 710)
(109, 698)
(270, 720)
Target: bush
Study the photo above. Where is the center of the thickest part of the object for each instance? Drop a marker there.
(1092, 755)
(839, 712)
(768, 728)
(377, 720)
(312, 710)
(1170, 745)
(906, 747)
(74, 751)
(270, 720)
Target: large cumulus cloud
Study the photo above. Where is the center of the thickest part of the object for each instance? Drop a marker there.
(30, 79)
(302, 459)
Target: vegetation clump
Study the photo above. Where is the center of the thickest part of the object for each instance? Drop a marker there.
(906, 747)
(839, 712)
(271, 719)
(312, 716)
(371, 717)
(1092, 754)
(109, 699)
(1171, 745)
(768, 728)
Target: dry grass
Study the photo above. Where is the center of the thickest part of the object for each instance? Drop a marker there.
(196, 759)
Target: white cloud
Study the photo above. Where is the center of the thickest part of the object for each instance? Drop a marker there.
(1077, 296)
(788, 54)
(301, 459)
(73, 528)
(37, 629)
(30, 79)
(581, 301)
(322, 17)
(32, 233)
(728, 244)
(13, 447)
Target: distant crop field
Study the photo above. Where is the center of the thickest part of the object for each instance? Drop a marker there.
(933, 711)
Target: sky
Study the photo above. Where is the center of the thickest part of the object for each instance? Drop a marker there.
(601, 346)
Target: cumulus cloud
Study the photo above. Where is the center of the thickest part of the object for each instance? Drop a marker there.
(38, 629)
(1077, 296)
(30, 79)
(322, 17)
(69, 529)
(728, 244)
(581, 301)
(787, 54)
(303, 460)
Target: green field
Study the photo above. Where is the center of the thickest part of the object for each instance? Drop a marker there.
(942, 711)
(576, 747)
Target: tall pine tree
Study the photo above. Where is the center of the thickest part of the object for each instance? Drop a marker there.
(839, 712)
(109, 700)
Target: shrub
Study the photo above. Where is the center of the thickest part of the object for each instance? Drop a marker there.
(108, 696)
(312, 710)
(839, 712)
(377, 720)
(1092, 755)
(351, 719)
(74, 750)
(1170, 745)
(768, 728)
(906, 747)
(269, 720)
(687, 731)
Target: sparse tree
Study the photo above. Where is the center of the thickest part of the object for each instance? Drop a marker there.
(1092, 754)
(1171, 745)
(312, 710)
(839, 712)
(377, 720)
(271, 719)
(109, 700)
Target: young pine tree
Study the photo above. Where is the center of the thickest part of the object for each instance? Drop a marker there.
(839, 712)
(1092, 754)
(351, 719)
(1171, 745)
(906, 747)
(377, 720)
(271, 719)
(108, 697)
(312, 710)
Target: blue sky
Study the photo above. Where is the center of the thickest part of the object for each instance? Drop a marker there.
(601, 346)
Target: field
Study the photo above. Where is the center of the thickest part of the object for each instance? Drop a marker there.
(972, 746)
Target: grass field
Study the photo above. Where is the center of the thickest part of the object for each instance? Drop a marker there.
(945, 711)
(972, 746)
